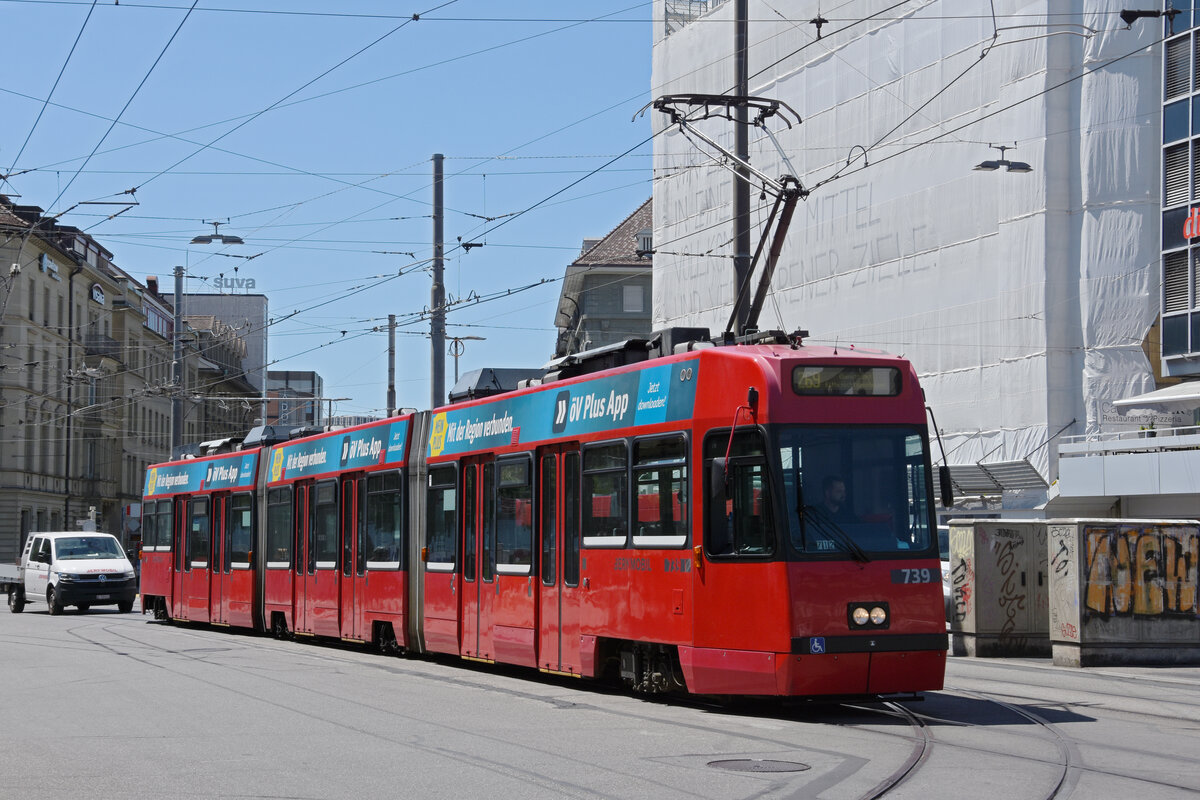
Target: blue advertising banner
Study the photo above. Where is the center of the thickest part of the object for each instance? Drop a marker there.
(235, 471)
(663, 393)
(377, 445)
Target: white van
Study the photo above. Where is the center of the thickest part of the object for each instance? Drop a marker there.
(74, 568)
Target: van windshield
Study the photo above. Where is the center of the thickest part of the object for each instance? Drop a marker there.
(87, 547)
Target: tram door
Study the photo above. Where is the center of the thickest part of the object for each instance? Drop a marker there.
(197, 561)
(300, 520)
(321, 584)
(219, 591)
(353, 580)
(558, 564)
(478, 562)
(178, 607)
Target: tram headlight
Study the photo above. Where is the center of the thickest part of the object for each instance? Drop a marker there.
(878, 615)
(860, 616)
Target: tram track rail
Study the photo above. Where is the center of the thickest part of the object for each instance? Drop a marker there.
(907, 749)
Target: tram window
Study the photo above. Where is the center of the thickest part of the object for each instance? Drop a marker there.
(605, 517)
(441, 520)
(746, 526)
(547, 514)
(514, 517)
(468, 540)
(384, 522)
(165, 522)
(199, 534)
(487, 549)
(323, 539)
(239, 524)
(279, 527)
(660, 481)
(571, 519)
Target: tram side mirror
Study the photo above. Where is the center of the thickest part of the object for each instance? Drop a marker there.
(718, 477)
(946, 485)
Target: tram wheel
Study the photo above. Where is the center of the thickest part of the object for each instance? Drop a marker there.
(279, 627)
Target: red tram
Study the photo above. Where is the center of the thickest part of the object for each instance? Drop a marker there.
(674, 521)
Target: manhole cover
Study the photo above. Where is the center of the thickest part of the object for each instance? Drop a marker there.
(758, 765)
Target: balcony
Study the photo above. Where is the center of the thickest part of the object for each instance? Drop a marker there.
(1130, 463)
(98, 348)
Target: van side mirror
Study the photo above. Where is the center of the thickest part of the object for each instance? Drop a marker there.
(946, 485)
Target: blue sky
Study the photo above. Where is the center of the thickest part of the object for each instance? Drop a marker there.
(310, 126)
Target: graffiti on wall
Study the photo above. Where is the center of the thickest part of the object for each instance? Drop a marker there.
(1144, 571)
(1065, 589)
(1011, 595)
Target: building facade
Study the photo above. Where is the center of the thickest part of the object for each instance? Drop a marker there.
(606, 293)
(85, 355)
(294, 398)
(1027, 299)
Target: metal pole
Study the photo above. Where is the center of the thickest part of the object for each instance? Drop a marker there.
(391, 390)
(741, 181)
(177, 366)
(437, 321)
(69, 377)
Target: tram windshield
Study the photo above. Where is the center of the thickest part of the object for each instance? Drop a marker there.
(860, 492)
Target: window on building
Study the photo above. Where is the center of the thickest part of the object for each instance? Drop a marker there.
(1175, 281)
(1176, 178)
(1178, 72)
(633, 299)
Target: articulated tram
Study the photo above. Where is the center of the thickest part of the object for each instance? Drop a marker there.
(671, 521)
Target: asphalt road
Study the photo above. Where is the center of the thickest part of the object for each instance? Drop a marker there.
(109, 705)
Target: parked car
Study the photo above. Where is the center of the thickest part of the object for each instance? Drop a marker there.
(73, 568)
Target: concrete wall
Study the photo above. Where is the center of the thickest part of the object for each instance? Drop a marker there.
(1124, 592)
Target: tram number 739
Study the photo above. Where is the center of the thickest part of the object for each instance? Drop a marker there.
(916, 576)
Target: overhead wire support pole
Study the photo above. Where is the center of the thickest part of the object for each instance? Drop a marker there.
(177, 366)
(741, 182)
(437, 317)
(391, 387)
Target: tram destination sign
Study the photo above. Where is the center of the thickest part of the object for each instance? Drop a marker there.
(378, 445)
(663, 393)
(234, 471)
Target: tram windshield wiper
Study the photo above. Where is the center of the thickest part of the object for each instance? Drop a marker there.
(832, 531)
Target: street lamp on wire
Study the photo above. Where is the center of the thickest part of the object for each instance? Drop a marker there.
(216, 236)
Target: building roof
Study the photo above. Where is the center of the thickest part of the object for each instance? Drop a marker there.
(619, 246)
(618, 249)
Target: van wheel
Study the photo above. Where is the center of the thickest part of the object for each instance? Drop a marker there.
(55, 603)
(16, 600)
(124, 606)
(83, 607)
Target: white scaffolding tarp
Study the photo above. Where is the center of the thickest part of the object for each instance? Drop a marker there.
(1023, 299)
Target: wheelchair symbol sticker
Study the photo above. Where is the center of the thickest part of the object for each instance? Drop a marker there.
(816, 645)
